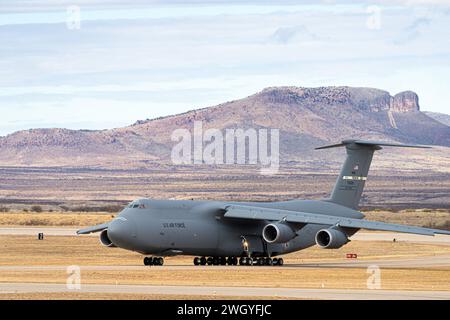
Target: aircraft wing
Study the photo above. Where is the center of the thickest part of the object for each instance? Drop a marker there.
(257, 213)
(93, 229)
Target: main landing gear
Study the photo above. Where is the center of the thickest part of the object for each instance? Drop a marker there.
(153, 261)
(234, 261)
(215, 261)
(261, 261)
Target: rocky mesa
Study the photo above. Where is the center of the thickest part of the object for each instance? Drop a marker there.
(306, 118)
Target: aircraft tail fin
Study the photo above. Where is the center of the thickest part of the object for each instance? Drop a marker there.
(350, 183)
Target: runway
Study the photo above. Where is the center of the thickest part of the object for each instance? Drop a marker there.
(297, 293)
(31, 231)
(360, 236)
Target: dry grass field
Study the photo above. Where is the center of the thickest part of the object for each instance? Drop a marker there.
(430, 218)
(53, 219)
(118, 296)
(336, 278)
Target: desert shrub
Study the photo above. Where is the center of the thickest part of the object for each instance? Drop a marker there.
(37, 209)
(446, 225)
(35, 222)
(66, 223)
(443, 225)
(110, 209)
(82, 209)
(431, 225)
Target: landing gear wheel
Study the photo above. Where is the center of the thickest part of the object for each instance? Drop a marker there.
(243, 261)
(197, 261)
(153, 261)
(148, 261)
(268, 262)
(232, 261)
(223, 261)
(280, 262)
(215, 261)
(209, 261)
(275, 261)
(203, 261)
(249, 261)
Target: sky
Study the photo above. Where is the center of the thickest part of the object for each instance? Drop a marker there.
(97, 64)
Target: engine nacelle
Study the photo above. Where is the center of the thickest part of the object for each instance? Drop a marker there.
(104, 239)
(331, 238)
(278, 233)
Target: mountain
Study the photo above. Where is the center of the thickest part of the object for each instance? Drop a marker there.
(441, 117)
(306, 117)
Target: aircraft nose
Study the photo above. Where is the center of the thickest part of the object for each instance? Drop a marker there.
(121, 232)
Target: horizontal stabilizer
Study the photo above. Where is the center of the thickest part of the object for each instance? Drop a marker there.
(374, 144)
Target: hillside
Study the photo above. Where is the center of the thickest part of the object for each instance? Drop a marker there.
(306, 117)
(441, 117)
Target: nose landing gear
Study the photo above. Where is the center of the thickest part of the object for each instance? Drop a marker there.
(153, 261)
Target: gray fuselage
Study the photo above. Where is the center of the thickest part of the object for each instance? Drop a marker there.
(171, 227)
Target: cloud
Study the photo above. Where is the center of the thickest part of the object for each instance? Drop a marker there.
(298, 33)
(20, 6)
(413, 31)
(416, 24)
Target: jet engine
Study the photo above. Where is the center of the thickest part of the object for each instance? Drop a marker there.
(331, 238)
(278, 233)
(104, 239)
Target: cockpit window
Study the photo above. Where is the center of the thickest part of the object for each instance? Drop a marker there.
(136, 205)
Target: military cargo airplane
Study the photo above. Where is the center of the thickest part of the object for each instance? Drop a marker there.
(250, 233)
